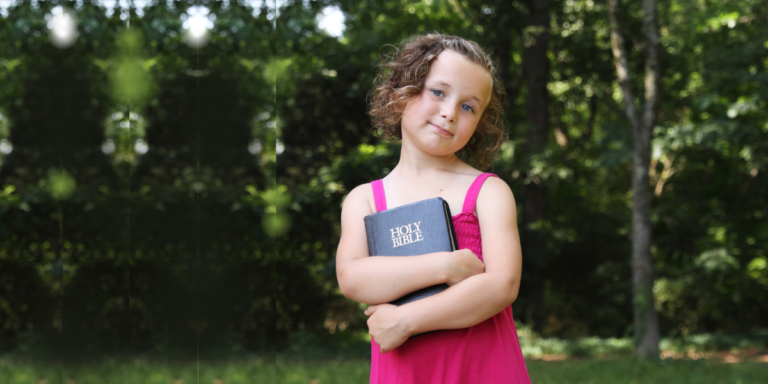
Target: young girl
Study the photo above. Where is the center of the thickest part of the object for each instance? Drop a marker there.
(440, 97)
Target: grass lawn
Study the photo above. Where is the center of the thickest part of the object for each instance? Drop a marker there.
(630, 371)
(139, 371)
(345, 371)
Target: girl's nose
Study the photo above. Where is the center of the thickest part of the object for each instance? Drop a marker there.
(448, 112)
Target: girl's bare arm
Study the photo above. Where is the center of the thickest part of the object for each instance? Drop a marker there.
(476, 298)
(381, 279)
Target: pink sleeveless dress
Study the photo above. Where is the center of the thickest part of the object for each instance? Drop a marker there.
(486, 353)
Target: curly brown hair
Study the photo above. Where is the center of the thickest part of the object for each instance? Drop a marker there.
(401, 78)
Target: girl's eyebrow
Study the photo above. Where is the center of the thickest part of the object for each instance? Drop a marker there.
(443, 83)
(446, 85)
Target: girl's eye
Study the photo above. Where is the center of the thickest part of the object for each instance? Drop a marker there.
(467, 108)
(437, 92)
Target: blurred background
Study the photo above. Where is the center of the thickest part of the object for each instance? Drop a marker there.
(138, 152)
(173, 172)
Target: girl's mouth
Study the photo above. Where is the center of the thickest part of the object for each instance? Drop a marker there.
(441, 131)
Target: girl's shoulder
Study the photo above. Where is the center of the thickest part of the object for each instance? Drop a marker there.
(495, 195)
(468, 174)
(495, 187)
(492, 193)
(466, 169)
(361, 197)
(471, 173)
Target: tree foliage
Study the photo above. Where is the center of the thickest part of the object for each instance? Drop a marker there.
(134, 191)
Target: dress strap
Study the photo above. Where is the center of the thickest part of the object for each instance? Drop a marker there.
(378, 195)
(471, 199)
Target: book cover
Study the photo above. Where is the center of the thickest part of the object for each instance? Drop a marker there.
(413, 229)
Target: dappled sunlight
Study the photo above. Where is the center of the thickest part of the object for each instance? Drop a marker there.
(62, 23)
(131, 82)
(61, 184)
(125, 132)
(331, 20)
(197, 22)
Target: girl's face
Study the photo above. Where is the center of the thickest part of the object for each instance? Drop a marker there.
(442, 118)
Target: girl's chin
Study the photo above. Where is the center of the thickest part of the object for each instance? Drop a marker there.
(434, 145)
(438, 150)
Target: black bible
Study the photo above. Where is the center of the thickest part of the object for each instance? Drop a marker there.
(413, 229)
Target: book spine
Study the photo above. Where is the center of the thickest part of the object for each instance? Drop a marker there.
(370, 233)
(449, 225)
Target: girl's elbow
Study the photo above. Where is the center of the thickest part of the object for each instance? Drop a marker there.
(512, 288)
(353, 293)
(346, 290)
(349, 291)
(346, 286)
(349, 287)
(506, 289)
(513, 296)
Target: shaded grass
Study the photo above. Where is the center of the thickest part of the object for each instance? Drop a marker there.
(352, 371)
(632, 371)
(125, 371)
(339, 371)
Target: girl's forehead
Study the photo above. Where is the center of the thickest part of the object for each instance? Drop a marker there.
(462, 75)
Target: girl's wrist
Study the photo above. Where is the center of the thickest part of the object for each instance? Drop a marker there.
(447, 269)
(406, 319)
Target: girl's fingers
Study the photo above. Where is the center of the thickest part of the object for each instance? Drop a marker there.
(370, 310)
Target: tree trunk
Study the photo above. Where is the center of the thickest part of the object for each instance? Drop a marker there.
(536, 70)
(646, 318)
(502, 43)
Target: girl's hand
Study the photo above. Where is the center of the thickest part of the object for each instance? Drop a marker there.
(385, 327)
(463, 264)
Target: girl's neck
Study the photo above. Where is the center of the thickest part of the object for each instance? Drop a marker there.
(415, 163)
